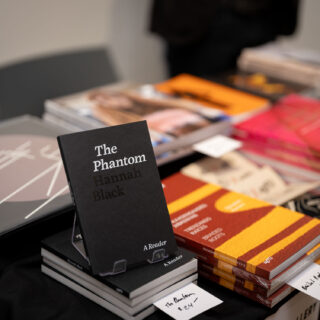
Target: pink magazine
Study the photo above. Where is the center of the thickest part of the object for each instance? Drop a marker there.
(293, 123)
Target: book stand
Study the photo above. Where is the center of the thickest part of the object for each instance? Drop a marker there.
(119, 266)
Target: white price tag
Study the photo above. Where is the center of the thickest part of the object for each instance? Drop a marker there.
(308, 281)
(187, 302)
(217, 146)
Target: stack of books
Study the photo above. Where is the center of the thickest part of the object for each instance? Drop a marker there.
(283, 62)
(175, 124)
(244, 244)
(260, 84)
(289, 133)
(130, 295)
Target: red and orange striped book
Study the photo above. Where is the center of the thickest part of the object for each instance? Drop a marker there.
(247, 233)
(237, 281)
(254, 282)
(270, 302)
(264, 287)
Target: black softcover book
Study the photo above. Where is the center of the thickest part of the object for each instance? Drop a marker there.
(130, 283)
(118, 196)
(33, 182)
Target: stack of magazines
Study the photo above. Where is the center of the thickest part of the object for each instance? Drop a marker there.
(130, 295)
(175, 124)
(283, 62)
(289, 133)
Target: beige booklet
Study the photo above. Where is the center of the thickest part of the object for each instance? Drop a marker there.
(235, 172)
(264, 183)
(226, 171)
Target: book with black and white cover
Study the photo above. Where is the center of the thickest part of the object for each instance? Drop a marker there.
(95, 298)
(144, 301)
(119, 200)
(59, 250)
(33, 182)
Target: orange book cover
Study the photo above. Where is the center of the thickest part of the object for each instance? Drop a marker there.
(231, 101)
(248, 233)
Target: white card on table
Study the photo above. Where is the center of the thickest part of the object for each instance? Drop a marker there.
(308, 281)
(187, 302)
(217, 146)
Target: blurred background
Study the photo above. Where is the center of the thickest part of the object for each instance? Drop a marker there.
(33, 28)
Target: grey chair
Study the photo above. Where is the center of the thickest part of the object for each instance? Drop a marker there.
(25, 85)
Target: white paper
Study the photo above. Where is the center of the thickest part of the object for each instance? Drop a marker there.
(217, 146)
(308, 281)
(187, 302)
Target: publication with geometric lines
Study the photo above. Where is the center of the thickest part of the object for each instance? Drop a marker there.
(33, 182)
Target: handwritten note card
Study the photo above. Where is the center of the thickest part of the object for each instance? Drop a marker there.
(187, 302)
(308, 281)
(217, 146)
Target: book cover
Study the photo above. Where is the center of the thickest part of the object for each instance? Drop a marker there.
(233, 102)
(292, 123)
(129, 284)
(260, 84)
(309, 203)
(228, 170)
(168, 116)
(236, 173)
(33, 182)
(118, 196)
(245, 232)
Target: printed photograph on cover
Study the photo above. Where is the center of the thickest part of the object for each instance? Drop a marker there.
(127, 106)
(164, 115)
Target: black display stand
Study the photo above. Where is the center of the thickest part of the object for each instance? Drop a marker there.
(119, 266)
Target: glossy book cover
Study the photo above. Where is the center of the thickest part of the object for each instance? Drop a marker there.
(245, 232)
(213, 95)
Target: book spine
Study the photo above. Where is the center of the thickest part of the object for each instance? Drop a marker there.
(86, 270)
(302, 162)
(311, 155)
(240, 282)
(244, 136)
(244, 292)
(239, 273)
